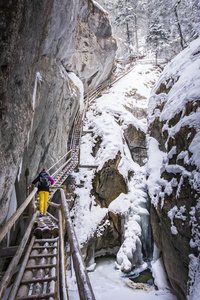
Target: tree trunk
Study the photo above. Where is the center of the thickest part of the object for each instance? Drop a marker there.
(182, 40)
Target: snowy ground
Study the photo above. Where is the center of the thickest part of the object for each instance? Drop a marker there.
(108, 284)
(108, 116)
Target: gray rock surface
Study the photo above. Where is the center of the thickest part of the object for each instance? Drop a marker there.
(35, 119)
(94, 48)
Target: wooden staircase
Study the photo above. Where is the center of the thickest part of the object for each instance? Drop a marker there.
(39, 275)
(64, 171)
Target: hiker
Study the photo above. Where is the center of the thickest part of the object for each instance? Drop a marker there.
(44, 181)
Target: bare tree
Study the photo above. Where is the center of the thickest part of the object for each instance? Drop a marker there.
(182, 40)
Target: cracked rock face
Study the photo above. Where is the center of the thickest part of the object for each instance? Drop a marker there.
(174, 168)
(38, 102)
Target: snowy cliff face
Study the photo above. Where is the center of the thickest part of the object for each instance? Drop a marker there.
(42, 42)
(174, 168)
(110, 200)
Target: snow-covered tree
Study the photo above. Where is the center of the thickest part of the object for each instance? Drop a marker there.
(157, 35)
(132, 21)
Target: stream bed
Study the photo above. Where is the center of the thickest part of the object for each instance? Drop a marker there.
(108, 283)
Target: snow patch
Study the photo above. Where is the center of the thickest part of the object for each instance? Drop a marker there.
(38, 78)
(77, 81)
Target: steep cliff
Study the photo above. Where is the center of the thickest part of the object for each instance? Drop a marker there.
(174, 169)
(41, 42)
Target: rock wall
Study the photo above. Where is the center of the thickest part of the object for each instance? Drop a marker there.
(94, 48)
(41, 42)
(173, 167)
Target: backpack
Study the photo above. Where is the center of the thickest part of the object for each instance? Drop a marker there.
(44, 179)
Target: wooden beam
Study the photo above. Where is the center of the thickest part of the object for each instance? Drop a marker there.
(54, 204)
(44, 247)
(43, 255)
(47, 240)
(46, 266)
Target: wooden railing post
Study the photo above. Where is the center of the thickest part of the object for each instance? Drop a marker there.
(65, 295)
(64, 189)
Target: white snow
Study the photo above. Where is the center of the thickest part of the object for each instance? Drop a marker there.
(99, 7)
(20, 170)
(160, 275)
(177, 213)
(11, 211)
(155, 165)
(37, 78)
(76, 80)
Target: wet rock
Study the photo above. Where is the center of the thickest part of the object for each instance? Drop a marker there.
(108, 237)
(108, 183)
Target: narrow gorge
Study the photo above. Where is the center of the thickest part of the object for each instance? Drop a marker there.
(135, 193)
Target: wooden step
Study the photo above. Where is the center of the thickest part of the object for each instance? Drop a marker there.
(35, 280)
(47, 266)
(43, 296)
(43, 255)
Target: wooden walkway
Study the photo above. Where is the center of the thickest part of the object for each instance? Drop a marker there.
(61, 174)
(39, 274)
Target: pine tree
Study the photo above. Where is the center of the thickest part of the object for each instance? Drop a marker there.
(156, 36)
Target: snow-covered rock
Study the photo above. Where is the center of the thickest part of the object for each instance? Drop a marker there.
(174, 168)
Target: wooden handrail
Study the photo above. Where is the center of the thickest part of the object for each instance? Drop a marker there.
(9, 272)
(65, 295)
(6, 227)
(83, 282)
